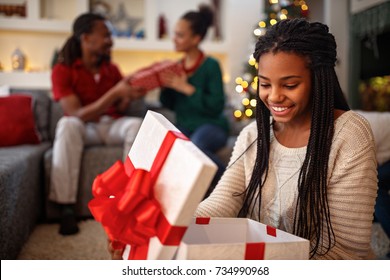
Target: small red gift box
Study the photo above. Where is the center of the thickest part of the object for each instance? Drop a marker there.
(148, 77)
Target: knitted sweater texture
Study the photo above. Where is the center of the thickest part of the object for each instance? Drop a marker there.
(352, 185)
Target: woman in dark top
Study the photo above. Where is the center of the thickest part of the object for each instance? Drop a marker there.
(197, 95)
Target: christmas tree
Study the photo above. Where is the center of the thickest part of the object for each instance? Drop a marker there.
(246, 86)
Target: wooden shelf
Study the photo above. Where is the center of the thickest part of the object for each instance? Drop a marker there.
(161, 45)
(35, 25)
(26, 80)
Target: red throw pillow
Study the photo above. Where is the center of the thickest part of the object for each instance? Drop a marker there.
(17, 124)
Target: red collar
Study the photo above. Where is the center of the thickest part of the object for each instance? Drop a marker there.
(198, 62)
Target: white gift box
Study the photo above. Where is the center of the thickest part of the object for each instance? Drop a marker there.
(182, 182)
(239, 239)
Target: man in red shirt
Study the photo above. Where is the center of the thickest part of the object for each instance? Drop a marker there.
(93, 95)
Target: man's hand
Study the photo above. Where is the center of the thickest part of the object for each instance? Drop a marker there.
(124, 90)
(124, 102)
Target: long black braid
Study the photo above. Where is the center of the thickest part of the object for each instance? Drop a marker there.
(313, 42)
(72, 47)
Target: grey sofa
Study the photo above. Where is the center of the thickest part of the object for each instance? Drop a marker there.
(25, 176)
(21, 184)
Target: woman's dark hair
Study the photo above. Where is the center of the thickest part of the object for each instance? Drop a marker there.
(72, 47)
(200, 21)
(313, 42)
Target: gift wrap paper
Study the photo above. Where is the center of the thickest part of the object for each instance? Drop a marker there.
(148, 77)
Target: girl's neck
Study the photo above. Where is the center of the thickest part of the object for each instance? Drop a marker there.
(291, 135)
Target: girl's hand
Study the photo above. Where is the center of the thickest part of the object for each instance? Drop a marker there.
(116, 254)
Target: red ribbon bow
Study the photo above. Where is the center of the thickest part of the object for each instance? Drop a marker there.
(125, 205)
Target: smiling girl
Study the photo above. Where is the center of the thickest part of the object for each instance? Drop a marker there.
(307, 165)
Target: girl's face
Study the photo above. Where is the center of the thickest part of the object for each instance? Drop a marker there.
(285, 87)
(184, 39)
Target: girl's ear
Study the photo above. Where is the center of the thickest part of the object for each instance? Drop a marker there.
(196, 39)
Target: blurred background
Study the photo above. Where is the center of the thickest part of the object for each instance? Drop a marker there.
(36, 29)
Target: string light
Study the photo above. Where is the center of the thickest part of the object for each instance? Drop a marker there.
(245, 101)
(282, 16)
(254, 86)
(262, 24)
(237, 114)
(249, 113)
(253, 102)
(257, 32)
(239, 88)
(252, 61)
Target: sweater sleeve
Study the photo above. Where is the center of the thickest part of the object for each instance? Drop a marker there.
(225, 200)
(352, 189)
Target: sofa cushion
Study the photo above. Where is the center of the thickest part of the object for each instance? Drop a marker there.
(380, 125)
(17, 121)
(42, 110)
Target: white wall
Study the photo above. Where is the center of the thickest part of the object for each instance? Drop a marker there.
(361, 5)
(242, 16)
(336, 16)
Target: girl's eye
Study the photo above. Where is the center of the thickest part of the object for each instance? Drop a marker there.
(264, 85)
(291, 86)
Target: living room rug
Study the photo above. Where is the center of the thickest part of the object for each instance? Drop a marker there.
(91, 243)
(45, 243)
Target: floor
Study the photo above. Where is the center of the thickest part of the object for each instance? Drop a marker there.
(91, 243)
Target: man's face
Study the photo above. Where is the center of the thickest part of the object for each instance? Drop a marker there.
(99, 41)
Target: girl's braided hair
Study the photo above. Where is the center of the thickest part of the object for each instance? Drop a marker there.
(317, 46)
(72, 47)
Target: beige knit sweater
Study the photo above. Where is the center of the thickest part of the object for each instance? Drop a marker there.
(352, 185)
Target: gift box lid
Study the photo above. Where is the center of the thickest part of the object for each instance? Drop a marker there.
(182, 181)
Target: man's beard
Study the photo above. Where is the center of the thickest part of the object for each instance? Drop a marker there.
(103, 58)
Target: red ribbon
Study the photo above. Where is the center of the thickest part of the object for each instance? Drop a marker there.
(125, 205)
(202, 220)
(253, 251)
